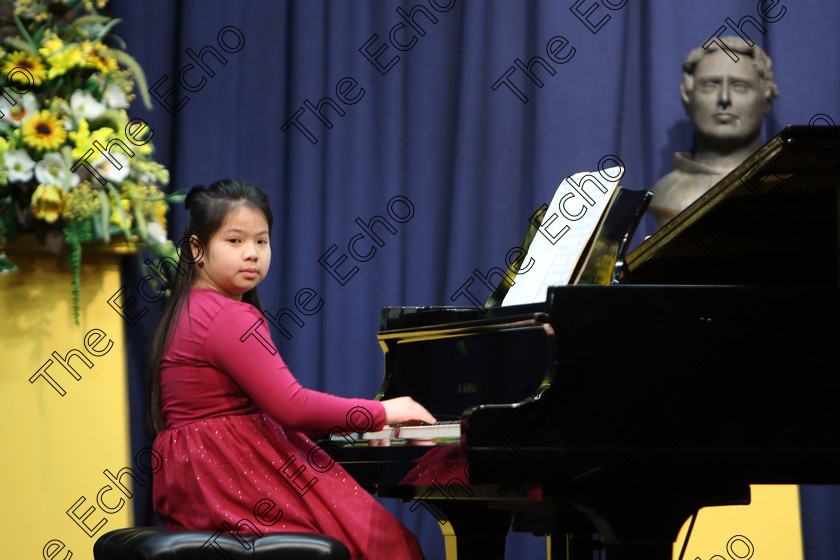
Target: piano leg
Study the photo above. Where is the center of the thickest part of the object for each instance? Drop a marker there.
(473, 530)
(569, 535)
(574, 546)
(639, 525)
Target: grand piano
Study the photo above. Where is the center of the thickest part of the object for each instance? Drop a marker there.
(607, 415)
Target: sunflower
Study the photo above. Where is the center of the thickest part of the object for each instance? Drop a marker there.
(44, 131)
(32, 64)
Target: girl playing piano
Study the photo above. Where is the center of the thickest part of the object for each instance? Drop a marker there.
(231, 417)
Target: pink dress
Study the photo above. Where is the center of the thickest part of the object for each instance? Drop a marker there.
(235, 456)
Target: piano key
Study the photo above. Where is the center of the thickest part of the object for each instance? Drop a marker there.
(440, 430)
(450, 429)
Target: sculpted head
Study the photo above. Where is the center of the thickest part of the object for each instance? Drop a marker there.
(727, 100)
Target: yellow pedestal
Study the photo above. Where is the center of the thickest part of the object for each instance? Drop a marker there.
(56, 448)
(769, 528)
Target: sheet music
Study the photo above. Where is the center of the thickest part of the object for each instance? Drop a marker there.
(571, 218)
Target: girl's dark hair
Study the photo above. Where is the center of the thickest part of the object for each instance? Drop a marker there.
(207, 211)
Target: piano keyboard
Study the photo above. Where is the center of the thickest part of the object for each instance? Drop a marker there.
(451, 429)
(440, 430)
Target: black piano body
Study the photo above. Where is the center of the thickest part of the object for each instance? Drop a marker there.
(708, 364)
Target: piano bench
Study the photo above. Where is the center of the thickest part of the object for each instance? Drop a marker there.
(151, 543)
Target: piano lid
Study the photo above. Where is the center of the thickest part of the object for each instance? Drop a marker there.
(772, 221)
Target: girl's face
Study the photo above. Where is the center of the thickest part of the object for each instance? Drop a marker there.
(237, 256)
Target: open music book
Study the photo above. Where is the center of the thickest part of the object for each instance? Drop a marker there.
(565, 238)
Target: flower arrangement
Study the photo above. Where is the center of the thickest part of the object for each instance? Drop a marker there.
(73, 167)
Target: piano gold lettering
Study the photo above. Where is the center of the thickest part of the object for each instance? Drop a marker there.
(91, 341)
(466, 388)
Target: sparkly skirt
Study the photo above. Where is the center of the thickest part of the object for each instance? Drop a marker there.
(246, 473)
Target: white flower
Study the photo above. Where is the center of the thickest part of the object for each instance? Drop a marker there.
(109, 171)
(52, 169)
(29, 11)
(156, 233)
(19, 165)
(114, 97)
(144, 177)
(84, 105)
(14, 114)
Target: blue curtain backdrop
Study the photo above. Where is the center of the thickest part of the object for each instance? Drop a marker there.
(434, 113)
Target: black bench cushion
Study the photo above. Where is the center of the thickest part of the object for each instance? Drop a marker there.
(150, 543)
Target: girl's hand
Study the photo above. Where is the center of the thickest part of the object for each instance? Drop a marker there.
(405, 410)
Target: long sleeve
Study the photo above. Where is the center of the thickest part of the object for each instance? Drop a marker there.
(239, 344)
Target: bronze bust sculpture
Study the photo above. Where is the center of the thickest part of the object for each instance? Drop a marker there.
(726, 102)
